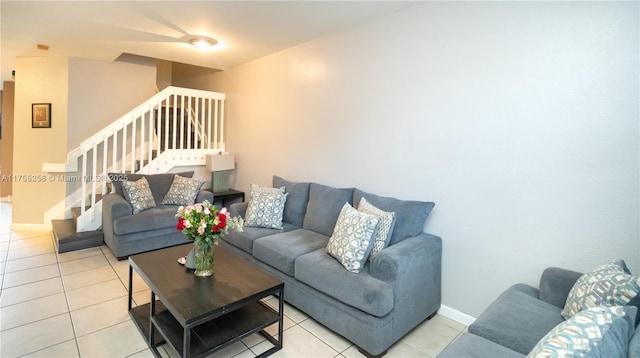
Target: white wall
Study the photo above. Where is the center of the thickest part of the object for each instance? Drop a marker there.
(520, 120)
(101, 92)
(38, 80)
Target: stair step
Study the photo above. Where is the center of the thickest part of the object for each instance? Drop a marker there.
(67, 239)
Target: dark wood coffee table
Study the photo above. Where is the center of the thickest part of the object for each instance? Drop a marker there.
(200, 315)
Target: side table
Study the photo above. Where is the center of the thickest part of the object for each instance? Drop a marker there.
(225, 196)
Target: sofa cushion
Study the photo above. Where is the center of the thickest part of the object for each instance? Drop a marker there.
(517, 319)
(322, 272)
(152, 219)
(296, 205)
(159, 183)
(281, 250)
(244, 239)
(324, 207)
(410, 215)
(266, 207)
(352, 238)
(634, 342)
(183, 191)
(472, 346)
(600, 331)
(608, 284)
(138, 194)
(385, 225)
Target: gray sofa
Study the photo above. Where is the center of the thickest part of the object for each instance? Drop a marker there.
(520, 317)
(126, 233)
(397, 290)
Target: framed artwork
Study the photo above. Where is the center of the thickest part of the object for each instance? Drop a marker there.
(41, 115)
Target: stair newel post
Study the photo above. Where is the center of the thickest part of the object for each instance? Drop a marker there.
(114, 156)
(142, 139)
(83, 191)
(123, 155)
(94, 173)
(209, 107)
(222, 146)
(165, 122)
(174, 119)
(105, 151)
(183, 110)
(150, 134)
(133, 145)
(215, 125)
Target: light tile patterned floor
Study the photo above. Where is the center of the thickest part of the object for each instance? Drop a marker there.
(75, 305)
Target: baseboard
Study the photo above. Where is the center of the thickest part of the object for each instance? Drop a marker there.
(32, 227)
(456, 315)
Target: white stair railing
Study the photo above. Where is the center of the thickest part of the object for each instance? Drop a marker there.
(152, 138)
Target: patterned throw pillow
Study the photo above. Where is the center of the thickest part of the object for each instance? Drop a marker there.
(595, 332)
(138, 194)
(385, 225)
(352, 238)
(183, 191)
(266, 207)
(606, 285)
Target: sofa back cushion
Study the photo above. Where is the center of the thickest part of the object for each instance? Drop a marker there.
(324, 207)
(296, 205)
(410, 215)
(158, 183)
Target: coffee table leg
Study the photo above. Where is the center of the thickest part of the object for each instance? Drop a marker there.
(152, 311)
(280, 323)
(186, 344)
(130, 286)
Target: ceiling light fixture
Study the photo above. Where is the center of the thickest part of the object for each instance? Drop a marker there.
(203, 43)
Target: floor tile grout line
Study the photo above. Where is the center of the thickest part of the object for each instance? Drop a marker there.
(42, 349)
(322, 340)
(66, 297)
(33, 299)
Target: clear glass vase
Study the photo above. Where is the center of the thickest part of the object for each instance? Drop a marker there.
(204, 258)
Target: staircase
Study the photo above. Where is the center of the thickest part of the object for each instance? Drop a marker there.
(176, 127)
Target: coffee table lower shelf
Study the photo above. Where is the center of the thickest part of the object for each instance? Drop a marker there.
(210, 336)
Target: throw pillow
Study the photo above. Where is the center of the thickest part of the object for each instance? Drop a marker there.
(138, 194)
(352, 238)
(266, 207)
(183, 191)
(606, 285)
(385, 225)
(159, 183)
(595, 332)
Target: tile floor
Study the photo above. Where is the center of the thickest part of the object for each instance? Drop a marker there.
(75, 305)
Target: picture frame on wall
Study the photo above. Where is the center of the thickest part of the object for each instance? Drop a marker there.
(41, 115)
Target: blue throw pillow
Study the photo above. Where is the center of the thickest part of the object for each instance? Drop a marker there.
(598, 332)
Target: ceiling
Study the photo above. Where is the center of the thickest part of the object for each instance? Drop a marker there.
(103, 30)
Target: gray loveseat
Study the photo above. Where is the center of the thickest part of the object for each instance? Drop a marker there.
(126, 233)
(397, 290)
(521, 316)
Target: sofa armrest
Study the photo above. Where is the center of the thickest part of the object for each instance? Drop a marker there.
(239, 209)
(414, 267)
(204, 195)
(115, 206)
(555, 284)
(405, 257)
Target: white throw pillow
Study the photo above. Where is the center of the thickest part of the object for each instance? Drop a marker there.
(385, 225)
(138, 194)
(183, 191)
(352, 238)
(266, 207)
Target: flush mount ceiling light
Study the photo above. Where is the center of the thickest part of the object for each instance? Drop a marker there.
(203, 43)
